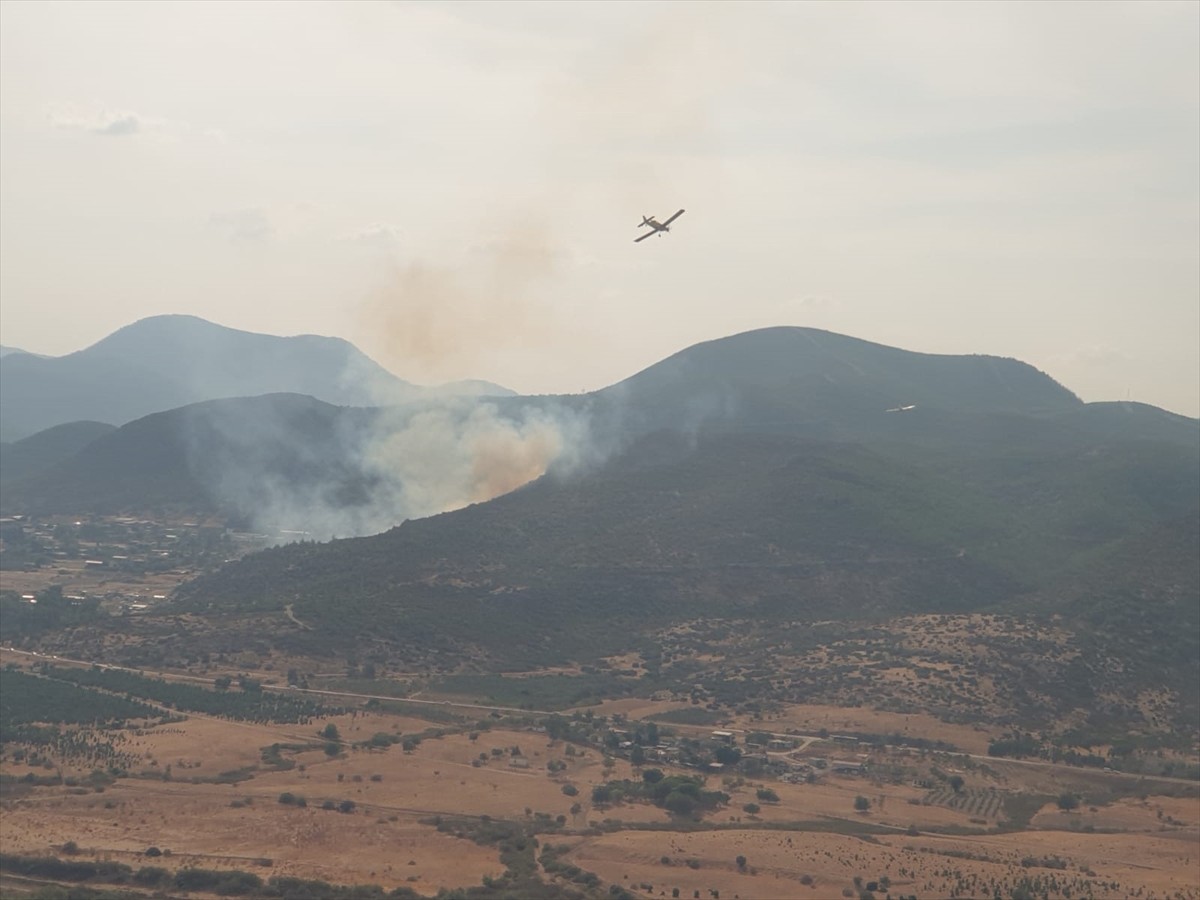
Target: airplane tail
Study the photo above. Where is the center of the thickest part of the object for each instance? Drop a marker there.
(645, 221)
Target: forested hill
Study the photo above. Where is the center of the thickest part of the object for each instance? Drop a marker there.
(771, 528)
(803, 379)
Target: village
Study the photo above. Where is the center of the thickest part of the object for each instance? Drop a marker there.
(127, 564)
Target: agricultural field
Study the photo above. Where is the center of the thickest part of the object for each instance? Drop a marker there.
(442, 796)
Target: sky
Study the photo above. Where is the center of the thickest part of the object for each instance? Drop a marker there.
(455, 187)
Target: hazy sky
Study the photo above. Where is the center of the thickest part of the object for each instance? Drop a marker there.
(455, 187)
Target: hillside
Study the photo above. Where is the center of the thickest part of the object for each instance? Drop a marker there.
(764, 532)
(784, 381)
(803, 380)
(23, 459)
(797, 499)
(225, 456)
(165, 362)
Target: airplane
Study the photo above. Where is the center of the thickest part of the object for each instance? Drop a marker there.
(902, 408)
(656, 227)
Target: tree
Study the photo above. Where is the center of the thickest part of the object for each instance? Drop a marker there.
(330, 732)
(637, 755)
(861, 803)
(557, 727)
(956, 783)
(1067, 802)
(752, 808)
(741, 863)
(680, 803)
(767, 795)
(729, 756)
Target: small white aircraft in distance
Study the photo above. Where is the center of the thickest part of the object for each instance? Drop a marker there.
(656, 227)
(902, 408)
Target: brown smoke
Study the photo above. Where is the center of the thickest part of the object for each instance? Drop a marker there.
(439, 320)
(609, 123)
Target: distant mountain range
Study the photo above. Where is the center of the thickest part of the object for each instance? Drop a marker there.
(166, 362)
(4, 351)
(248, 456)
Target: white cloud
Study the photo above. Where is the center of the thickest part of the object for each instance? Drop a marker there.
(243, 225)
(377, 236)
(105, 122)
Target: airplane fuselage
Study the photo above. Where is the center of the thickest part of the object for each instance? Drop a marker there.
(656, 227)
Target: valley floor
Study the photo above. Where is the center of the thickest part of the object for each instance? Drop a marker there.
(203, 792)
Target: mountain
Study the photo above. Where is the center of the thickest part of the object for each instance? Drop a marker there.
(726, 543)
(763, 477)
(165, 362)
(224, 456)
(5, 351)
(25, 458)
(804, 380)
(751, 484)
(793, 382)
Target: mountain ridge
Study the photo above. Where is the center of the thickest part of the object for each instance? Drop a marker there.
(166, 362)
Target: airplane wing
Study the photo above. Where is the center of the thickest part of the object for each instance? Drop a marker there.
(674, 217)
(644, 236)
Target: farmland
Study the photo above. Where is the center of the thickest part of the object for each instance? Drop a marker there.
(369, 792)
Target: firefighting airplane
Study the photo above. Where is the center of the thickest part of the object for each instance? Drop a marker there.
(656, 227)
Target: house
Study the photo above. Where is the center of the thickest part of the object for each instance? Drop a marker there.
(724, 736)
(846, 767)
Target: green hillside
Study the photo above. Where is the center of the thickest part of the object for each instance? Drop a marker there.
(24, 458)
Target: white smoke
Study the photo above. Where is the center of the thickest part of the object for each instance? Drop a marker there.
(265, 459)
(450, 456)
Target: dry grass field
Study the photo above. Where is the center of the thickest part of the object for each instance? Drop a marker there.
(798, 864)
(811, 842)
